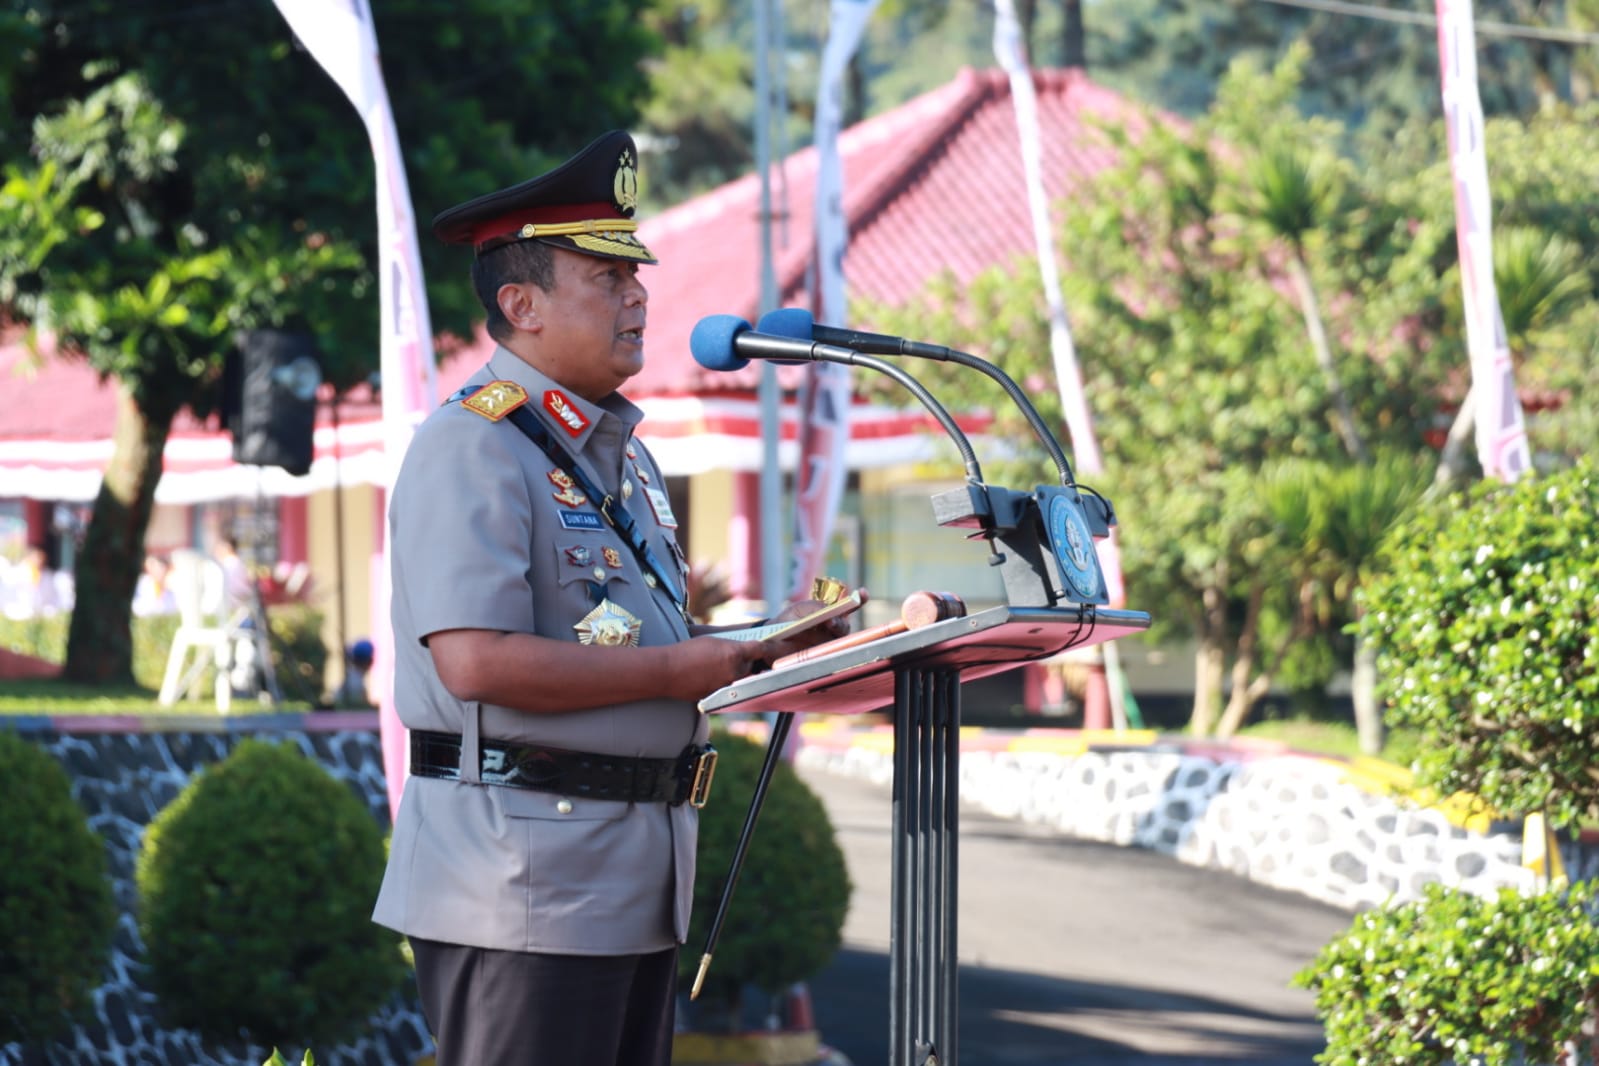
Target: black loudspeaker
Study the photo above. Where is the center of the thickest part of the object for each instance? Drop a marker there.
(271, 398)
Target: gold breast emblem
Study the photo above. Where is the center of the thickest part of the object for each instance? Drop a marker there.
(609, 626)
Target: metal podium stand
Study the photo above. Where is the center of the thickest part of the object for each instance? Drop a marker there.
(919, 673)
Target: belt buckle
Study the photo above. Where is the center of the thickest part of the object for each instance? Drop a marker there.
(699, 791)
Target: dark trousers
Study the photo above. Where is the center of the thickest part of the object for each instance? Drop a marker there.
(507, 1008)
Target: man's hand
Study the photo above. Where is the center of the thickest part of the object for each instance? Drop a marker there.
(831, 629)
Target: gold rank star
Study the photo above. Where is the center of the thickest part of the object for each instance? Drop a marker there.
(609, 626)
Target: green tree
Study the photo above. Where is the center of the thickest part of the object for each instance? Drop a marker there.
(1542, 177)
(1199, 372)
(182, 176)
(1483, 614)
(1294, 185)
(1337, 515)
(1371, 74)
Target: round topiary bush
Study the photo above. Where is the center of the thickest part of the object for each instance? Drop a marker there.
(787, 916)
(256, 887)
(1485, 615)
(56, 910)
(1456, 978)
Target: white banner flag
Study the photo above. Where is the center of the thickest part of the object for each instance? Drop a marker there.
(340, 36)
(1501, 432)
(825, 398)
(1074, 405)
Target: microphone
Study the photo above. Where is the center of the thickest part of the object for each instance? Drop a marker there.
(727, 342)
(799, 324)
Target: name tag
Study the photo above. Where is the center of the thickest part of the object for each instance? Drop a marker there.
(661, 504)
(580, 520)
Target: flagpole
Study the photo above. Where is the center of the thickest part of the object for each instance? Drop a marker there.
(771, 494)
(1104, 703)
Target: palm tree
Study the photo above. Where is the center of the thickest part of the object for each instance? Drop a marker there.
(1337, 516)
(1292, 191)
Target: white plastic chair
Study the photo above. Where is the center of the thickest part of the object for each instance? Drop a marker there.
(196, 582)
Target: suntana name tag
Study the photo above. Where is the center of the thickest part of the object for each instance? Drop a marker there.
(580, 520)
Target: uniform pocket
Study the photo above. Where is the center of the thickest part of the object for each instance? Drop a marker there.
(525, 803)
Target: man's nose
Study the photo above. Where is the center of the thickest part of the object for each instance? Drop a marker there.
(636, 292)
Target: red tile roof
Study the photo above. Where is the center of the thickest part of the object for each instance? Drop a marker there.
(933, 185)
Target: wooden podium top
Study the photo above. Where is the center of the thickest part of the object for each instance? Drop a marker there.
(861, 679)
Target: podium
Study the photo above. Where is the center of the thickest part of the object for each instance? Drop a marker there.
(918, 673)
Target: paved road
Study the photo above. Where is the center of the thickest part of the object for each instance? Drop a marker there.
(1078, 953)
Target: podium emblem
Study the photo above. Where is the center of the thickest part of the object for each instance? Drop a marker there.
(1073, 544)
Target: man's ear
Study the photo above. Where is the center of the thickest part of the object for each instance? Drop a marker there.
(518, 306)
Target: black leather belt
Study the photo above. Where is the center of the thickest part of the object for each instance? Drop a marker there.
(685, 779)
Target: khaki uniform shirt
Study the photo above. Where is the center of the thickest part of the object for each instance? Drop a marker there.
(484, 537)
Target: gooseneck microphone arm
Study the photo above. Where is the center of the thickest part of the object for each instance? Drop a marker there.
(726, 342)
(828, 354)
(798, 323)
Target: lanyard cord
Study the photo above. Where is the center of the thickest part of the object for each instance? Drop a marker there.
(618, 517)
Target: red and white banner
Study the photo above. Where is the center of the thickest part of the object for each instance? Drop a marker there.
(1009, 52)
(825, 396)
(1501, 431)
(340, 35)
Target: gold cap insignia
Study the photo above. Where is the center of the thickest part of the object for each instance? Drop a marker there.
(625, 185)
(609, 626)
(496, 399)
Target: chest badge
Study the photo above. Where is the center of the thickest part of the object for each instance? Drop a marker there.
(661, 504)
(571, 419)
(496, 399)
(609, 626)
(567, 491)
(578, 555)
(613, 558)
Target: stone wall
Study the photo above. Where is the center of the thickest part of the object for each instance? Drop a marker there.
(1321, 827)
(124, 771)
(1335, 831)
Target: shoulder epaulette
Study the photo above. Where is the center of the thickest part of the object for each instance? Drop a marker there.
(496, 399)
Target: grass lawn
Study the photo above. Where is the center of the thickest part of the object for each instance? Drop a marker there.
(32, 696)
(1332, 738)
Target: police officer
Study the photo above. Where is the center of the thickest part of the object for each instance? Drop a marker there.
(542, 861)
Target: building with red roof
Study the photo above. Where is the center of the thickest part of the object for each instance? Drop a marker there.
(932, 186)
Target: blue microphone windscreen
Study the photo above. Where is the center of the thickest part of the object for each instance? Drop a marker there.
(712, 342)
(792, 322)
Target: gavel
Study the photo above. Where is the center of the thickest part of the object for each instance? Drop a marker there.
(919, 609)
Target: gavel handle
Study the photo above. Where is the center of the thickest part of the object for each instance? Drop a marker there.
(919, 609)
(852, 640)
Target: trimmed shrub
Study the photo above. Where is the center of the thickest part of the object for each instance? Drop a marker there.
(1485, 616)
(1456, 978)
(57, 915)
(256, 887)
(787, 916)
